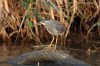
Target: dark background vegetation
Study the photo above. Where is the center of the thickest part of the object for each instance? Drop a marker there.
(80, 17)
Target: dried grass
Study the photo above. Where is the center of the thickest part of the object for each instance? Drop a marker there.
(64, 11)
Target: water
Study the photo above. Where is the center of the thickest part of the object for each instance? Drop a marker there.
(93, 60)
(40, 64)
(5, 54)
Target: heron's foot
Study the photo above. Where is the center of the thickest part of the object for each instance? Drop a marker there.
(48, 47)
(54, 47)
(51, 47)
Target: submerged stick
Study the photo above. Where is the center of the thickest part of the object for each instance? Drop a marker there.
(42, 56)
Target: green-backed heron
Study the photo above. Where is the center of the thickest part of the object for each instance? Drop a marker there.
(55, 28)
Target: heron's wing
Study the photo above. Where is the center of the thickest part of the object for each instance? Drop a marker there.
(51, 30)
(60, 28)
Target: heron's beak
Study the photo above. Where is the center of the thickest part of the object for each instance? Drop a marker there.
(42, 23)
(37, 24)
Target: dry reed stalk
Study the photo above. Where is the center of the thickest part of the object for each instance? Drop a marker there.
(6, 5)
(1, 13)
(11, 34)
(52, 13)
(60, 9)
(61, 12)
(36, 27)
(67, 7)
(75, 6)
(38, 40)
(97, 10)
(12, 23)
(60, 2)
(4, 34)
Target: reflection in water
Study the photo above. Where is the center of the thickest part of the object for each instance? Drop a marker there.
(95, 59)
(5, 64)
(45, 56)
(92, 59)
(40, 64)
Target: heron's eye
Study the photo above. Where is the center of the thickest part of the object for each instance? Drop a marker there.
(44, 23)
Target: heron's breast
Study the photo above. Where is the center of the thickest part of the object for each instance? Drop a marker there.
(52, 30)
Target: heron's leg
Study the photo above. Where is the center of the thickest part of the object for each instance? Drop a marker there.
(62, 40)
(56, 42)
(51, 42)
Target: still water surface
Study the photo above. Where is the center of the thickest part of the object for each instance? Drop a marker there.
(5, 53)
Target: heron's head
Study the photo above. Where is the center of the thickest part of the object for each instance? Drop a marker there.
(44, 21)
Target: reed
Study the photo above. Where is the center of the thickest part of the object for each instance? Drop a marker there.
(23, 14)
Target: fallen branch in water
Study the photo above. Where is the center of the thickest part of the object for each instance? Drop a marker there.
(42, 56)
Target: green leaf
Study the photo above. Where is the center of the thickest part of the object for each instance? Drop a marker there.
(30, 24)
(25, 4)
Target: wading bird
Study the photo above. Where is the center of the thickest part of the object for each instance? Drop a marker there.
(55, 28)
